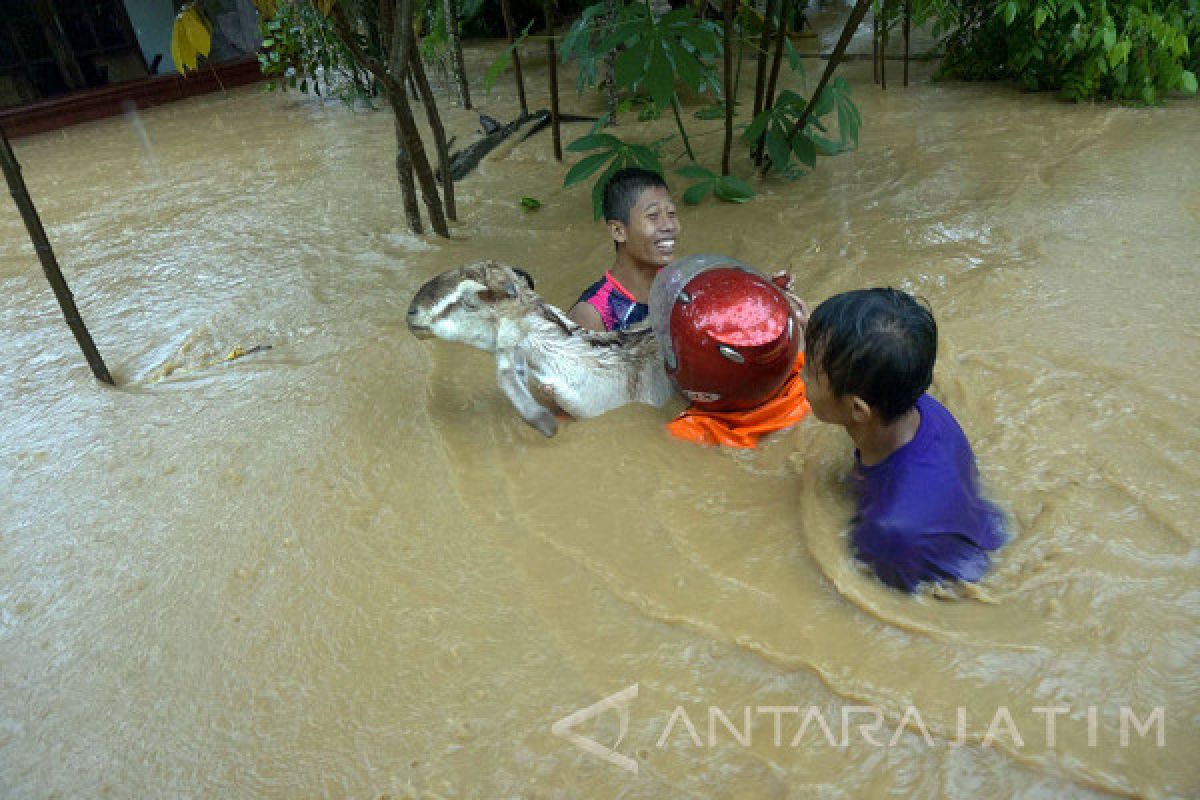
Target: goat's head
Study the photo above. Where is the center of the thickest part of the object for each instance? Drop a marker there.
(477, 304)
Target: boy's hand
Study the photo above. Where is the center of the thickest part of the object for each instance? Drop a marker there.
(784, 280)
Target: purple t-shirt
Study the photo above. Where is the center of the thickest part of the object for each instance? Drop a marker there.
(920, 515)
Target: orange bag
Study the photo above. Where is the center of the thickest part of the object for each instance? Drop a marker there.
(744, 428)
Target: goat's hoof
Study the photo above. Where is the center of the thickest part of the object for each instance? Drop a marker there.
(546, 424)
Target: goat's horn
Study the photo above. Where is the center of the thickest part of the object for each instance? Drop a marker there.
(528, 278)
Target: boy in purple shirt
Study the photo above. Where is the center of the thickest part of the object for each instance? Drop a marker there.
(868, 360)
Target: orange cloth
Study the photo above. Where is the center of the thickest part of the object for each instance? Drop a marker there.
(744, 428)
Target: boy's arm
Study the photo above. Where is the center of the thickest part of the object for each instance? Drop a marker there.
(585, 315)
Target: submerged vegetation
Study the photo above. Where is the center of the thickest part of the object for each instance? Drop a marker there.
(645, 55)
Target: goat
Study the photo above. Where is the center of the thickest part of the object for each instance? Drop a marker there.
(493, 307)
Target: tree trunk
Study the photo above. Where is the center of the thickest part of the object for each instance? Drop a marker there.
(420, 162)
(907, 32)
(435, 124)
(552, 60)
(785, 11)
(460, 66)
(511, 29)
(41, 245)
(610, 69)
(408, 186)
(883, 45)
(729, 89)
(764, 44)
(392, 76)
(875, 42)
(785, 6)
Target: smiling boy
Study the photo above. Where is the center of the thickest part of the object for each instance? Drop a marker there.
(644, 227)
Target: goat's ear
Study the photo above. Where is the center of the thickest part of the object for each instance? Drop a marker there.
(528, 278)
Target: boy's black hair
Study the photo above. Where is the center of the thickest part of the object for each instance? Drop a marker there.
(879, 344)
(623, 189)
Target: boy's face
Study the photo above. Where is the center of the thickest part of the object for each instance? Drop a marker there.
(649, 238)
(826, 405)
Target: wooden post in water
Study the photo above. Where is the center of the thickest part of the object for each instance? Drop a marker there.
(552, 59)
(41, 244)
(907, 32)
(510, 29)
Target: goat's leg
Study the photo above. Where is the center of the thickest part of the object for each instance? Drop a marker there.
(511, 374)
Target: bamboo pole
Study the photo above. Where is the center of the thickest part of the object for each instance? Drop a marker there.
(907, 32)
(45, 253)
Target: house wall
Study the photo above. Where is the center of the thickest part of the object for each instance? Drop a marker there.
(152, 20)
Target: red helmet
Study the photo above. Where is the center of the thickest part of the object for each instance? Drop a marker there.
(728, 335)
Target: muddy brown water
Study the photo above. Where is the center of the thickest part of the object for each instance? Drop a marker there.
(343, 567)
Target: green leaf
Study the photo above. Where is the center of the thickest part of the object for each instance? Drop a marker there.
(691, 71)
(1110, 38)
(593, 141)
(1010, 12)
(530, 203)
(777, 147)
(790, 101)
(598, 190)
(586, 167)
(805, 149)
(1187, 82)
(827, 147)
(824, 104)
(715, 111)
(732, 189)
(645, 158)
(631, 65)
(1039, 17)
(697, 192)
(660, 79)
(793, 57)
(756, 128)
(696, 171)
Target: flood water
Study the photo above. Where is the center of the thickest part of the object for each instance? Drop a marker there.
(343, 567)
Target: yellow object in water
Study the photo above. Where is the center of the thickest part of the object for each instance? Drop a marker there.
(191, 38)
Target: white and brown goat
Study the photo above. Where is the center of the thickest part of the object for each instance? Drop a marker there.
(493, 307)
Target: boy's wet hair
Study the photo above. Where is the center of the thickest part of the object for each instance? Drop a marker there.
(623, 189)
(879, 344)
